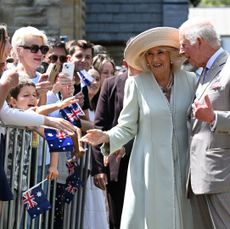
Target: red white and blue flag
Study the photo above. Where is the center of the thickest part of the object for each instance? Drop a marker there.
(35, 202)
(73, 181)
(73, 113)
(58, 141)
(85, 78)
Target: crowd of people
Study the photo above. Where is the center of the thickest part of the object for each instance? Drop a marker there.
(159, 134)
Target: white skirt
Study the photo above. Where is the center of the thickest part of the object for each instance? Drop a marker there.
(96, 207)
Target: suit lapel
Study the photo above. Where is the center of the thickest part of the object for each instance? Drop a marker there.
(212, 74)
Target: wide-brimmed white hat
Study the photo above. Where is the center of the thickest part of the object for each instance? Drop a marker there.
(159, 36)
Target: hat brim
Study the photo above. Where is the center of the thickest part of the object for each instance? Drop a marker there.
(159, 36)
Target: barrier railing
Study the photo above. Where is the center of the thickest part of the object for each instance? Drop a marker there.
(16, 156)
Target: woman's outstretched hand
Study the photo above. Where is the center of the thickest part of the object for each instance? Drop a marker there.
(95, 137)
(60, 124)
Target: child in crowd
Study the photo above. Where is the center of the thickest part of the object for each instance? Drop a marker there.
(65, 92)
(24, 97)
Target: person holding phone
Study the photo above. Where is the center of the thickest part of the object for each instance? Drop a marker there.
(81, 54)
(30, 47)
(9, 79)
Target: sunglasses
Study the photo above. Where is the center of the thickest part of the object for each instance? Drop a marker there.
(35, 48)
(10, 60)
(54, 58)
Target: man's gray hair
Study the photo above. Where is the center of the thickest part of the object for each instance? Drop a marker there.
(200, 27)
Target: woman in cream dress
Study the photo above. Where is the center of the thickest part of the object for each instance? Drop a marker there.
(154, 112)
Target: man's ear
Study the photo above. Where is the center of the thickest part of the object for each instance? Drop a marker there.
(200, 40)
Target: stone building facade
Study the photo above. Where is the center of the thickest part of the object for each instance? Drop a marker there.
(55, 17)
(107, 22)
(112, 22)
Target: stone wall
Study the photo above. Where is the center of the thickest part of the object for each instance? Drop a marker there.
(55, 17)
(112, 22)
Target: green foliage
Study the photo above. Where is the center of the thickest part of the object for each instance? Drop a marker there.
(214, 2)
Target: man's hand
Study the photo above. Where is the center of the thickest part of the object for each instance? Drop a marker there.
(203, 111)
(101, 180)
(117, 155)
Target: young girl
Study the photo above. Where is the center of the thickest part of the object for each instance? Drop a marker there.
(104, 65)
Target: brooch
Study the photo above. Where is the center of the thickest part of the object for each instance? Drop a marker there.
(215, 86)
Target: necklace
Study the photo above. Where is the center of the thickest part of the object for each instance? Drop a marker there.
(167, 89)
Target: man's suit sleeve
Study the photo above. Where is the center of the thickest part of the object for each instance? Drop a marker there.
(222, 122)
(101, 122)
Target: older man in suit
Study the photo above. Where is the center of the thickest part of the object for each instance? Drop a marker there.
(209, 171)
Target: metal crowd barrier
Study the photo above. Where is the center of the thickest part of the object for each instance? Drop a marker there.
(14, 214)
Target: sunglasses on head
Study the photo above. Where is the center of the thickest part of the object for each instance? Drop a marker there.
(54, 58)
(35, 48)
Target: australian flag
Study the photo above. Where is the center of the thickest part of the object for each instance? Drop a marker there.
(73, 113)
(35, 202)
(73, 181)
(85, 77)
(58, 141)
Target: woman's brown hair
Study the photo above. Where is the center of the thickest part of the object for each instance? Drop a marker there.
(3, 37)
(100, 59)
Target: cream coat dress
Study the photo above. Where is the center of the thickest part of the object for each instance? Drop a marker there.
(155, 189)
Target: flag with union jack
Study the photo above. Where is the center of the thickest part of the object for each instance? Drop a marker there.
(71, 166)
(58, 141)
(85, 78)
(35, 202)
(73, 181)
(73, 113)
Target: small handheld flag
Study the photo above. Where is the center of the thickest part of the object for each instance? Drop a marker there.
(35, 201)
(85, 77)
(72, 114)
(58, 141)
(73, 181)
